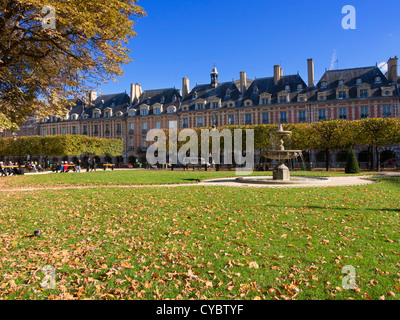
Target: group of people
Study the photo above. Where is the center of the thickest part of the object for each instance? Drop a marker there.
(11, 169)
(64, 166)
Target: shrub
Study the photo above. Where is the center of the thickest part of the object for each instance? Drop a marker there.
(352, 163)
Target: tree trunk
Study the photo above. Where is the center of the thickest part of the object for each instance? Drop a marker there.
(328, 160)
(371, 157)
(378, 159)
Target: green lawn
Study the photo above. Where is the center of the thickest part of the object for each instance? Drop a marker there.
(131, 177)
(200, 242)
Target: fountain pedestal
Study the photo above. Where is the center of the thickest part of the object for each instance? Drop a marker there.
(281, 172)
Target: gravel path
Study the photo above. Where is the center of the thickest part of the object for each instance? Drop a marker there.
(228, 182)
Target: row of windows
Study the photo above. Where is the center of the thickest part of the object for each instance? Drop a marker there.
(265, 119)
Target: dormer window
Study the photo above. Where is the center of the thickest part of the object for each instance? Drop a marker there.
(287, 88)
(162, 100)
(85, 116)
(323, 85)
(195, 95)
(299, 87)
(321, 96)
(148, 101)
(74, 117)
(119, 114)
(255, 90)
(342, 95)
(215, 105)
(378, 80)
(359, 82)
(364, 93)
(96, 113)
(200, 106)
(283, 99)
(171, 110)
(174, 98)
(144, 112)
(341, 82)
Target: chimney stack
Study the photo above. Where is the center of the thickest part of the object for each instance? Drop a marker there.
(277, 73)
(185, 87)
(243, 81)
(311, 80)
(393, 70)
(136, 91)
(92, 96)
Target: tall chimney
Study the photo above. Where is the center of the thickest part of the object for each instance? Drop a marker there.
(136, 91)
(311, 80)
(243, 81)
(277, 73)
(185, 87)
(92, 96)
(393, 70)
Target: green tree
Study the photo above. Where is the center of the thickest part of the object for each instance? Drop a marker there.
(378, 132)
(327, 136)
(41, 68)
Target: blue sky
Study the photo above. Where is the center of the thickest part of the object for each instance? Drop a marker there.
(184, 38)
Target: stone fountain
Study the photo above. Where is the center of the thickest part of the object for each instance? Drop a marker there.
(281, 175)
(281, 171)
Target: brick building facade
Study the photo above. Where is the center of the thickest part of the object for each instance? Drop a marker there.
(350, 94)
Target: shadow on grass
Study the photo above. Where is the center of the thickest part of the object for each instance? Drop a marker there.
(334, 208)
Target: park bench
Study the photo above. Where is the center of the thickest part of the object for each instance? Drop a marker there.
(108, 165)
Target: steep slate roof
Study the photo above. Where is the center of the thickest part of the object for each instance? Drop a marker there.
(207, 91)
(349, 77)
(268, 85)
(117, 102)
(150, 97)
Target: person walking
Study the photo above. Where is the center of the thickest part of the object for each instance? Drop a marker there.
(78, 166)
(94, 165)
(88, 165)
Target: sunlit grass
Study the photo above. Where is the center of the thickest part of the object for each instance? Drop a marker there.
(202, 242)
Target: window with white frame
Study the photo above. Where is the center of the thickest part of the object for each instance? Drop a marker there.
(302, 116)
(265, 117)
(283, 117)
(321, 115)
(131, 128)
(343, 113)
(185, 123)
(364, 112)
(231, 119)
(200, 121)
(386, 111)
(158, 125)
(248, 119)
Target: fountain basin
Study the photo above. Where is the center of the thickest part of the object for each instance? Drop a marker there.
(282, 154)
(271, 180)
